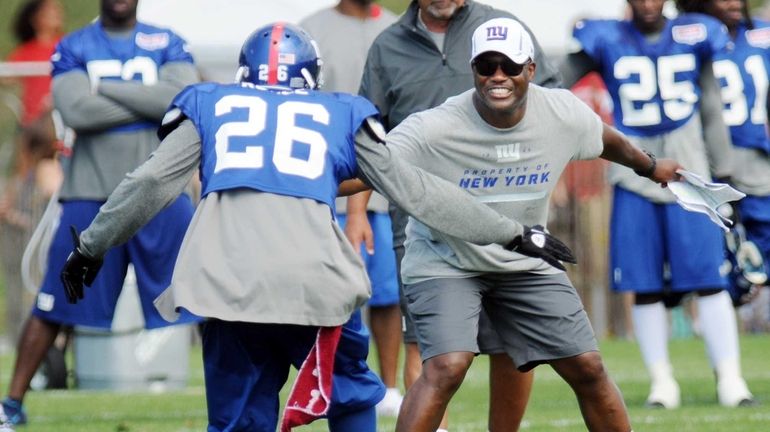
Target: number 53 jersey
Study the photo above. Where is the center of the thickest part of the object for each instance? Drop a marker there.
(653, 83)
(295, 143)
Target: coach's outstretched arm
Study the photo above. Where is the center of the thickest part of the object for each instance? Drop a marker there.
(434, 201)
(618, 149)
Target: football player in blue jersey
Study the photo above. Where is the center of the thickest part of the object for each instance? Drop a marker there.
(112, 81)
(659, 74)
(263, 258)
(742, 71)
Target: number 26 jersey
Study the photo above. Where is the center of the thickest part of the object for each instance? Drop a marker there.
(296, 143)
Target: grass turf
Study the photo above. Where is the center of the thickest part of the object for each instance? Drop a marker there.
(551, 408)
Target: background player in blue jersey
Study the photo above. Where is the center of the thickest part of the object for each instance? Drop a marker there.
(743, 74)
(263, 258)
(112, 81)
(659, 74)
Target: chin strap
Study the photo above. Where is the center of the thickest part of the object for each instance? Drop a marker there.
(311, 83)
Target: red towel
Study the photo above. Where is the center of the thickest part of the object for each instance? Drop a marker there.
(311, 393)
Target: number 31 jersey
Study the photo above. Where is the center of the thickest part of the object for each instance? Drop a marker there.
(296, 143)
(743, 74)
(654, 84)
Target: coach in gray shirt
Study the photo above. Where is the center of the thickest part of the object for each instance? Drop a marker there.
(416, 64)
(507, 142)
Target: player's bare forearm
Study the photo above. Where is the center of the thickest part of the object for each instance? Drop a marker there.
(618, 149)
(357, 203)
(352, 187)
(357, 228)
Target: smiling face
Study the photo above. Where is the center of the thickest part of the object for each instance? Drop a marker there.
(501, 88)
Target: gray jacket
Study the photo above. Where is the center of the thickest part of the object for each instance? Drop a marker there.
(406, 72)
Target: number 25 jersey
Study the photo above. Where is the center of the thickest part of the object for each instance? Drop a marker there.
(654, 83)
(295, 143)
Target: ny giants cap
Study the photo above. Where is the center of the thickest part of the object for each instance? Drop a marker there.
(504, 35)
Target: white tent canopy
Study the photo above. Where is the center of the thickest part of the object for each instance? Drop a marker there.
(552, 20)
(215, 29)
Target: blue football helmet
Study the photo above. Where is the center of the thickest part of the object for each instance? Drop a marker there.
(280, 54)
(744, 263)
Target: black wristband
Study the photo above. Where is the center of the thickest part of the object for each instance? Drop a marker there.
(651, 169)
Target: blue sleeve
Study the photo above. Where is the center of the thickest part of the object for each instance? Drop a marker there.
(177, 50)
(715, 39)
(67, 56)
(360, 110)
(588, 34)
(187, 99)
(718, 36)
(184, 106)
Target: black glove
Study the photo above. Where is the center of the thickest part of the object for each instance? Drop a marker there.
(78, 270)
(535, 242)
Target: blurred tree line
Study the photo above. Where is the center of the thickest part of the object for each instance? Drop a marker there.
(80, 12)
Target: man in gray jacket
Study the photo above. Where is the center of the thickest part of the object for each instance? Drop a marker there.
(413, 65)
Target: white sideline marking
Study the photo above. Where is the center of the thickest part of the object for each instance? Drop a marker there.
(650, 420)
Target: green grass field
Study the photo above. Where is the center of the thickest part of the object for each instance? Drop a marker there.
(552, 407)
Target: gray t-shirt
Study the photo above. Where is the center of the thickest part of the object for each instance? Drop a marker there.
(513, 170)
(753, 173)
(344, 42)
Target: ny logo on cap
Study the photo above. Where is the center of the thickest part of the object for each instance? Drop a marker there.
(497, 33)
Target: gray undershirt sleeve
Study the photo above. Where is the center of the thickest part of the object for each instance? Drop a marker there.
(144, 192)
(84, 111)
(715, 132)
(574, 67)
(430, 199)
(151, 101)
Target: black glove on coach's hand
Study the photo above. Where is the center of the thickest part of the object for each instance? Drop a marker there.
(535, 242)
(78, 270)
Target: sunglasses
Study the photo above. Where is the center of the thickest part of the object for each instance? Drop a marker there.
(486, 66)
